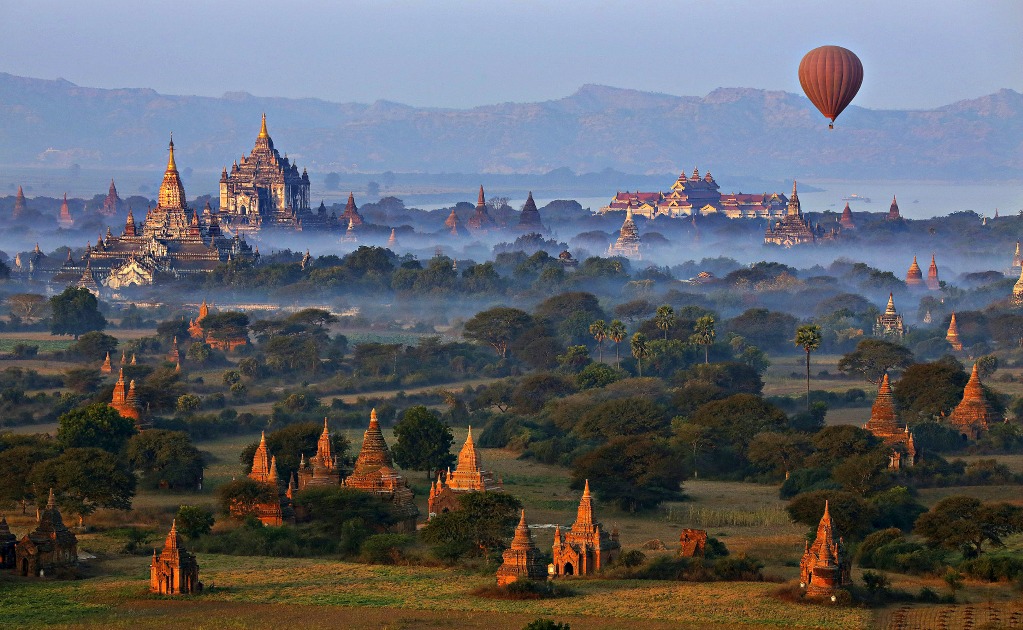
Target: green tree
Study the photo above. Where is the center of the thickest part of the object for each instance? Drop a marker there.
(93, 346)
(703, 335)
(194, 521)
(808, 337)
(735, 420)
(83, 380)
(188, 403)
(95, 426)
(482, 524)
(165, 459)
(535, 390)
(873, 358)
(497, 327)
(965, 524)
(226, 326)
(75, 312)
(19, 455)
(85, 479)
(850, 514)
(545, 624)
(345, 514)
(780, 453)
(640, 349)
(632, 472)
(422, 441)
(239, 498)
(664, 319)
(616, 333)
(598, 330)
(930, 390)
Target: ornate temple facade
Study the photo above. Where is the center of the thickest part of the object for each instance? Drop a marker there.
(124, 401)
(825, 567)
(50, 548)
(174, 571)
(1017, 290)
(952, 336)
(374, 473)
(586, 548)
(793, 229)
(265, 190)
(522, 559)
(889, 323)
(469, 476)
(627, 243)
(884, 425)
(973, 416)
(692, 194)
(321, 469)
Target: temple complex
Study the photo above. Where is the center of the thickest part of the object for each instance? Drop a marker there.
(586, 548)
(973, 416)
(374, 473)
(691, 195)
(111, 203)
(884, 425)
(628, 239)
(847, 219)
(264, 470)
(8, 543)
(890, 322)
(529, 220)
(793, 229)
(199, 333)
(264, 190)
(893, 211)
(480, 222)
(692, 543)
(322, 468)
(50, 548)
(124, 401)
(932, 276)
(914, 276)
(64, 220)
(825, 566)
(522, 559)
(469, 476)
(174, 571)
(952, 336)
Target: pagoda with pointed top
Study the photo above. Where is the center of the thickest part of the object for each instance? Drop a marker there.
(374, 473)
(480, 222)
(847, 219)
(586, 547)
(914, 276)
(49, 549)
(64, 220)
(973, 416)
(628, 243)
(884, 424)
(20, 207)
(351, 215)
(952, 336)
(893, 211)
(469, 476)
(889, 323)
(933, 284)
(454, 227)
(174, 571)
(350, 236)
(111, 203)
(1017, 258)
(124, 401)
(106, 368)
(522, 560)
(529, 220)
(825, 566)
(1017, 290)
(274, 511)
(793, 229)
(321, 469)
(264, 190)
(8, 543)
(392, 241)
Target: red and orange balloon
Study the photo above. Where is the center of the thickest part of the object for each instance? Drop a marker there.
(831, 77)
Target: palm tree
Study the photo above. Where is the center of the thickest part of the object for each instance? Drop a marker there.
(599, 331)
(703, 335)
(665, 319)
(640, 350)
(616, 332)
(809, 337)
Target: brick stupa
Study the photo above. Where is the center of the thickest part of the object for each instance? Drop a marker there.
(825, 567)
(893, 211)
(321, 469)
(952, 336)
(64, 220)
(933, 284)
(522, 559)
(847, 219)
(973, 415)
(374, 473)
(914, 276)
(628, 239)
(124, 401)
(469, 476)
(529, 220)
(884, 424)
(480, 222)
(174, 571)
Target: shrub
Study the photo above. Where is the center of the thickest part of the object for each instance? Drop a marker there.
(386, 548)
(545, 624)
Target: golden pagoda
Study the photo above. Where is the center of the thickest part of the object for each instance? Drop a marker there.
(890, 322)
(469, 476)
(1017, 290)
(914, 276)
(952, 336)
(374, 473)
(522, 559)
(973, 415)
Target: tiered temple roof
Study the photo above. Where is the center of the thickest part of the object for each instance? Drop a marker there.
(973, 415)
(692, 194)
(453, 226)
(884, 424)
(952, 336)
(627, 243)
(847, 219)
(321, 469)
(480, 222)
(124, 401)
(585, 548)
(914, 276)
(793, 229)
(1017, 290)
(50, 547)
(174, 571)
(825, 567)
(469, 476)
(64, 220)
(112, 202)
(351, 216)
(374, 473)
(529, 220)
(264, 470)
(933, 284)
(522, 560)
(889, 322)
(20, 207)
(893, 211)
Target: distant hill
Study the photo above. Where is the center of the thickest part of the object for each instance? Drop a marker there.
(731, 130)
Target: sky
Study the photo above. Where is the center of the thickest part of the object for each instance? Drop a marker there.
(447, 53)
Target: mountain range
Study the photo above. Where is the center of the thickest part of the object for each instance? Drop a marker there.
(764, 133)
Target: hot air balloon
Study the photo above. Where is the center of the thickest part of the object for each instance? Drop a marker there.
(831, 77)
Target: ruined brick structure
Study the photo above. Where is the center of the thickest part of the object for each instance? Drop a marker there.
(49, 549)
(174, 571)
(692, 543)
(586, 547)
(374, 473)
(469, 476)
(522, 559)
(825, 566)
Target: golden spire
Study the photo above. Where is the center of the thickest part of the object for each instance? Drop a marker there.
(262, 130)
(171, 166)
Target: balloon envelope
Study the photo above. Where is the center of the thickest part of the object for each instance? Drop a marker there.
(831, 77)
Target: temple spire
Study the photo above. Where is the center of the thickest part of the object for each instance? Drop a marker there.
(481, 200)
(171, 165)
(262, 129)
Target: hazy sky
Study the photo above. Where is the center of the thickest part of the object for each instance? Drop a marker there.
(916, 54)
